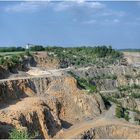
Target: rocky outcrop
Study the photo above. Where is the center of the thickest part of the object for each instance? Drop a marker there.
(109, 78)
(111, 132)
(3, 72)
(44, 60)
(74, 104)
(34, 114)
(61, 100)
(129, 103)
(16, 89)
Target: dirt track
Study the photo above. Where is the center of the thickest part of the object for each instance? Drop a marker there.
(104, 119)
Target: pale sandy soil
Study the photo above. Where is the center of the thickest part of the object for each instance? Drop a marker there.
(105, 119)
(52, 72)
(37, 72)
(132, 57)
(76, 130)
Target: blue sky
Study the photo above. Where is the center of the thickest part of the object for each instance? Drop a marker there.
(70, 23)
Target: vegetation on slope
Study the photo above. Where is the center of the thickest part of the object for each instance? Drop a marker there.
(128, 88)
(105, 76)
(84, 83)
(132, 76)
(82, 56)
(22, 134)
(11, 49)
(21, 49)
(76, 56)
(122, 112)
(13, 61)
(19, 134)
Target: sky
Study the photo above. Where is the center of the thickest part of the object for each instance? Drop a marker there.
(70, 23)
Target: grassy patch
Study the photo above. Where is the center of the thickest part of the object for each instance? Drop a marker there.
(22, 134)
(110, 99)
(132, 76)
(13, 60)
(121, 112)
(105, 76)
(126, 88)
(19, 134)
(135, 95)
(84, 83)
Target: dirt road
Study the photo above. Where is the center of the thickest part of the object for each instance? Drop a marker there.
(104, 119)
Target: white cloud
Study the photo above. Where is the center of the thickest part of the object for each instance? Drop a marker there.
(96, 5)
(57, 6)
(116, 20)
(79, 3)
(80, 8)
(62, 6)
(89, 21)
(113, 13)
(26, 6)
(110, 21)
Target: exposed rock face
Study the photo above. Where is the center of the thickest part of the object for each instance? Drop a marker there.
(5, 129)
(110, 78)
(129, 103)
(3, 73)
(111, 132)
(16, 89)
(74, 103)
(34, 114)
(39, 59)
(44, 60)
(62, 103)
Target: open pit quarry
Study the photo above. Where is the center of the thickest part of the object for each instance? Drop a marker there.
(48, 100)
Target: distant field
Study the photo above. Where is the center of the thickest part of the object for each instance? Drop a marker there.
(10, 53)
(130, 50)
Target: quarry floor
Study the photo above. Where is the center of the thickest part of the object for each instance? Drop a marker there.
(105, 119)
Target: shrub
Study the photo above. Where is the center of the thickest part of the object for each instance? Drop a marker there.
(105, 76)
(19, 134)
(122, 112)
(27, 52)
(84, 83)
(126, 88)
(111, 99)
(37, 48)
(119, 111)
(137, 119)
(85, 55)
(128, 76)
(135, 95)
(22, 134)
(126, 115)
(11, 49)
